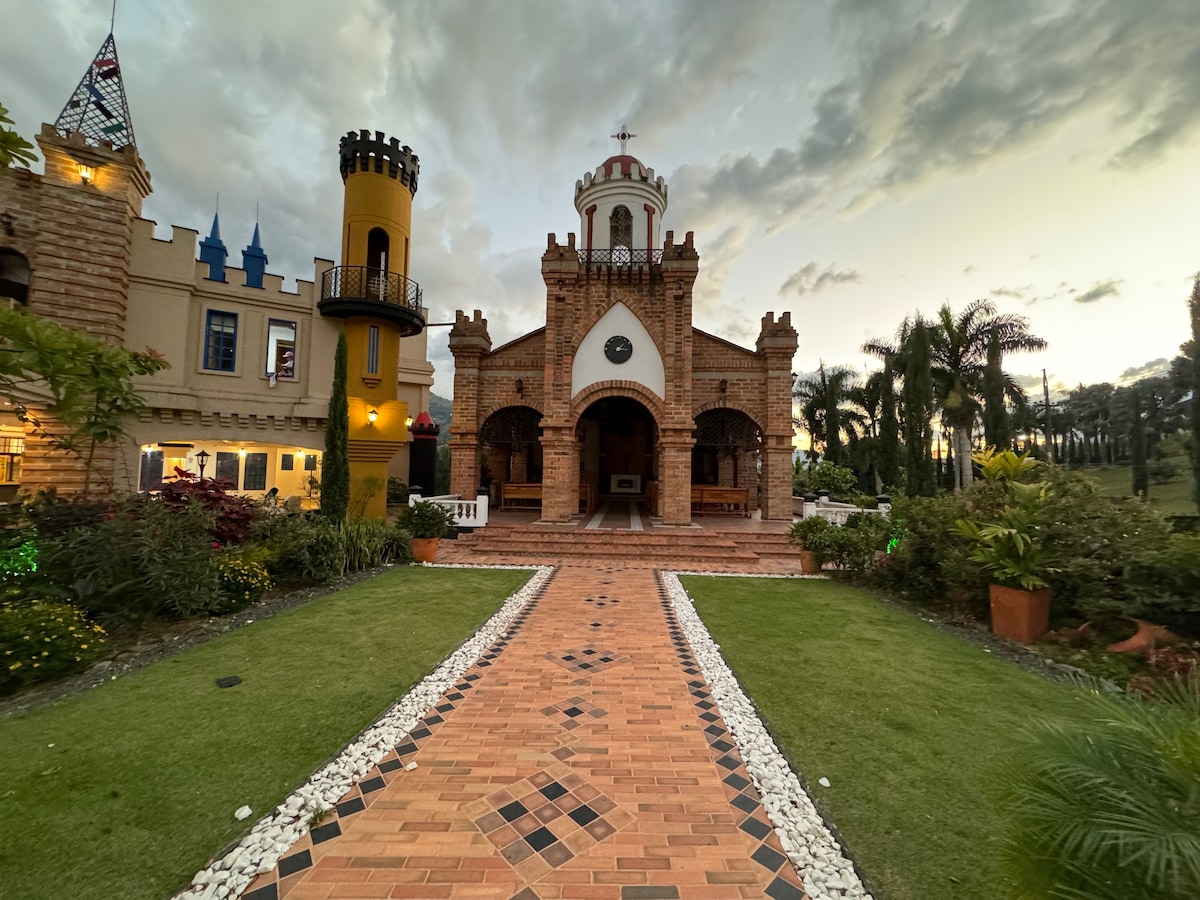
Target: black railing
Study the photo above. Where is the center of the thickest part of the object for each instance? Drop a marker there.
(621, 256)
(365, 283)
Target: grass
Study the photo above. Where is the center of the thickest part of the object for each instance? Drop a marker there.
(908, 723)
(127, 790)
(1172, 499)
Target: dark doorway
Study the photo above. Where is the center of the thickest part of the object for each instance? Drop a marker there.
(726, 449)
(619, 448)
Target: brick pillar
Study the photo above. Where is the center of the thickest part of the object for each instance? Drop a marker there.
(560, 474)
(469, 342)
(675, 478)
(776, 347)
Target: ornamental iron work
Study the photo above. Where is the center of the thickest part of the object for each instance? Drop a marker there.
(367, 283)
(512, 425)
(97, 109)
(621, 256)
(726, 430)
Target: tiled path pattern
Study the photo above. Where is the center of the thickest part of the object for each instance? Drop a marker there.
(581, 757)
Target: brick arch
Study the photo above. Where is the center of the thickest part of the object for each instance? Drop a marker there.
(486, 412)
(602, 390)
(737, 407)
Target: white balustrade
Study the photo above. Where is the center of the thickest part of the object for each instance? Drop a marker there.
(467, 513)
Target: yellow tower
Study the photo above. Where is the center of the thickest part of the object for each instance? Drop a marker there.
(379, 303)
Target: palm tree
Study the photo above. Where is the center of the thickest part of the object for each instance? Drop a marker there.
(820, 397)
(959, 348)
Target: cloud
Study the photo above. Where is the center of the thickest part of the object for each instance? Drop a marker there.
(810, 279)
(1150, 369)
(1016, 293)
(942, 88)
(967, 270)
(1099, 291)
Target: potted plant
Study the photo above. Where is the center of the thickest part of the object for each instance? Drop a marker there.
(426, 522)
(1011, 550)
(810, 534)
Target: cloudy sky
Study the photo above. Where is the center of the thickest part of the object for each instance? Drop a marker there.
(853, 161)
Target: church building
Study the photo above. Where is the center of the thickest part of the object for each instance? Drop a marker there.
(618, 395)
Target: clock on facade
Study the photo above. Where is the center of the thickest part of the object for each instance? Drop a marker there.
(618, 348)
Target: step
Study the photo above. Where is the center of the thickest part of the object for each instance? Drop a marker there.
(595, 550)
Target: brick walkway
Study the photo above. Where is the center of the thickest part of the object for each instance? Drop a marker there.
(580, 758)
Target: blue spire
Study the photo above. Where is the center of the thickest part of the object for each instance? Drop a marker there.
(254, 261)
(213, 252)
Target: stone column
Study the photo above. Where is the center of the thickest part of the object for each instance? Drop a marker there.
(469, 342)
(777, 478)
(776, 346)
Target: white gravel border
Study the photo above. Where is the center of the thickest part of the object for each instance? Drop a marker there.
(819, 858)
(274, 834)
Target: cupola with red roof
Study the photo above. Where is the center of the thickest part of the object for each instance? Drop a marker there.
(621, 204)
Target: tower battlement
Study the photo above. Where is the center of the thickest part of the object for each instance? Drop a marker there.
(360, 152)
(623, 169)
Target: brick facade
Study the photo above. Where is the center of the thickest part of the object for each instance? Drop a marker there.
(702, 373)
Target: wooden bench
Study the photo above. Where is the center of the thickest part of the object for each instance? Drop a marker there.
(713, 498)
(513, 492)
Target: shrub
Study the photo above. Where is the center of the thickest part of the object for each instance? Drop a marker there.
(44, 640)
(826, 476)
(367, 543)
(229, 518)
(809, 532)
(243, 581)
(397, 491)
(1162, 583)
(1162, 471)
(1106, 808)
(146, 560)
(425, 519)
(931, 560)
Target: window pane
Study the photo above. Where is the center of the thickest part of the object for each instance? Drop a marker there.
(221, 342)
(373, 350)
(151, 475)
(310, 463)
(287, 461)
(255, 477)
(227, 468)
(281, 348)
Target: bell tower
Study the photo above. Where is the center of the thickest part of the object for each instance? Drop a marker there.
(379, 304)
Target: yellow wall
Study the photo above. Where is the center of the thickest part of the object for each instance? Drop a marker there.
(373, 200)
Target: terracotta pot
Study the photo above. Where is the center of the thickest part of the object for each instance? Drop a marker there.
(809, 563)
(1019, 615)
(425, 549)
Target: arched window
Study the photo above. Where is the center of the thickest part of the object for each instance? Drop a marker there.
(377, 249)
(14, 277)
(620, 230)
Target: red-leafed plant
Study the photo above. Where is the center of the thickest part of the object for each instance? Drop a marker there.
(229, 516)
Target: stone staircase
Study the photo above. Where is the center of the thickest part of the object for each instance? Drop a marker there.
(699, 549)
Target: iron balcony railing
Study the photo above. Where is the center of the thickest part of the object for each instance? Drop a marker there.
(621, 256)
(366, 283)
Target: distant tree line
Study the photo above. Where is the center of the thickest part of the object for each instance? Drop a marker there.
(943, 390)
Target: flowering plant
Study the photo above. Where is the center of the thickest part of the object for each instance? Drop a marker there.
(243, 581)
(41, 640)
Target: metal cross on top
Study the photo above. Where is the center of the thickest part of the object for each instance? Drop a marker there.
(623, 135)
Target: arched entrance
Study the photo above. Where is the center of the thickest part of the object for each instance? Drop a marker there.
(618, 449)
(510, 438)
(728, 443)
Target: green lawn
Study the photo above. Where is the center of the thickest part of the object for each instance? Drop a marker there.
(908, 723)
(1173, 498)
(126, 791)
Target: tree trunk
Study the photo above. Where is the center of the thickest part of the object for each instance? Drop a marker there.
(964, 470)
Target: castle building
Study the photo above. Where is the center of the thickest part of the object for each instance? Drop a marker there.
(618, 395)
(251, 364)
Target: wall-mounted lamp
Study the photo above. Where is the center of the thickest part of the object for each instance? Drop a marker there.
(86, 173)
(299, 454)
(372, 415)
(408, 420)
(6, 222)
(723, 386)
(520, 387)
(242, 451)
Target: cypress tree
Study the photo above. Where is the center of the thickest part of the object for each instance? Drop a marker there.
(1137, 447)
(1194, 311)
(920, 478)
(889, 428)
(335, 471)
(995, 416)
